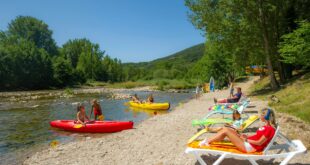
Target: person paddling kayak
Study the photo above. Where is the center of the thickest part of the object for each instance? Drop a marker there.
(97, 110)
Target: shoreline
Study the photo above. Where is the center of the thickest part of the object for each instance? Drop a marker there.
(115, 93)
(158, 140)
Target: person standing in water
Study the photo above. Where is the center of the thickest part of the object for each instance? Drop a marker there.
(97, 110)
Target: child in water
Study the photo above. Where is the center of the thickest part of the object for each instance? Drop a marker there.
(81, 116)
(97, 110)
(236, 125)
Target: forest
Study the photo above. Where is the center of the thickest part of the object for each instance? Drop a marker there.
(271, 33)
(30, 59)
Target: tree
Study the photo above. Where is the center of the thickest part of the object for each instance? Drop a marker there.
(34, 30)
(295, 47)
(29, 67)
(63, 72)
(249, 31)
(85, 57)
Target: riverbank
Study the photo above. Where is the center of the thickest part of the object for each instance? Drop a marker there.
(68, 92)
(175, 86)
(158, 140)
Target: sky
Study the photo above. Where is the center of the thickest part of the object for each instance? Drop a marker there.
(130, 30)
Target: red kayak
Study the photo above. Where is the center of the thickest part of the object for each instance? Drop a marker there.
(92, 126)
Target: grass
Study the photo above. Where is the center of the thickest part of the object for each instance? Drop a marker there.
(294, 96)
(93, 83)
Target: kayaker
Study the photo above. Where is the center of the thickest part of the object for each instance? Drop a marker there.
(236, 125)
(135, 99)
(150, 99)
(234, 99)
(245, 143)
(97, 110)
(81, 116)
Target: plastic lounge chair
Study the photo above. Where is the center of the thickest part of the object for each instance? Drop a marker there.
(227, 150)
(245, 125)
(223, 112)
(226, 111)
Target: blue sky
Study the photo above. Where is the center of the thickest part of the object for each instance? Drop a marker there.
(131, 30)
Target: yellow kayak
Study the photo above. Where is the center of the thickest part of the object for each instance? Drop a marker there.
(155, 106)
(150, 112)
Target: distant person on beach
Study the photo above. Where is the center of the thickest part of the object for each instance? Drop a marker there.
(236, 97)
(135, 99)
(245, 143)
(96, 108)
(150, 99)
(197, 92)
(236, 125)
(81, 116)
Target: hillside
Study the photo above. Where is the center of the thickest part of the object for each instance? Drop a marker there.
(170, 67)
(293, 97)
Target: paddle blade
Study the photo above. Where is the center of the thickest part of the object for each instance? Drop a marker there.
(77, 126)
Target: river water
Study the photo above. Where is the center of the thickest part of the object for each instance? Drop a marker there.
(25, 129)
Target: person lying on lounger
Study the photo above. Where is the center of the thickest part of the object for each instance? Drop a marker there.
(246, 143)
(236, 125)
(233, 99)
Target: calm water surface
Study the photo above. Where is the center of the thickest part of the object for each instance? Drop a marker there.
(26, 129)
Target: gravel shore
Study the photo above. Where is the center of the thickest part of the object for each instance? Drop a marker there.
(159, 140)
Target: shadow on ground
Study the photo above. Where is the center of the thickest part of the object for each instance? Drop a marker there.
(231, 161)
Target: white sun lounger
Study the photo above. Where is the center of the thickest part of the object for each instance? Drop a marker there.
(296, 147)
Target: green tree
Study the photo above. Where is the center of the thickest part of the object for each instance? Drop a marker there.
(29, 67)
(34, 30)
(63, 72)
(248, 31)
(295, 47)
(85, 57)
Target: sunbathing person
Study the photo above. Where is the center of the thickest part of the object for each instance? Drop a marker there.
(246, 143)
(236, 125)
(233, 99)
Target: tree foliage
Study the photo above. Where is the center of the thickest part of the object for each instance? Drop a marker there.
(295, 47)
(174, 66)
(30, 59)
(248, 32)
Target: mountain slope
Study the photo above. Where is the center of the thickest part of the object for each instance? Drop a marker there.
(171, 67)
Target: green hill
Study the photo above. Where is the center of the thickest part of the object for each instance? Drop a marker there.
(174, 66)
